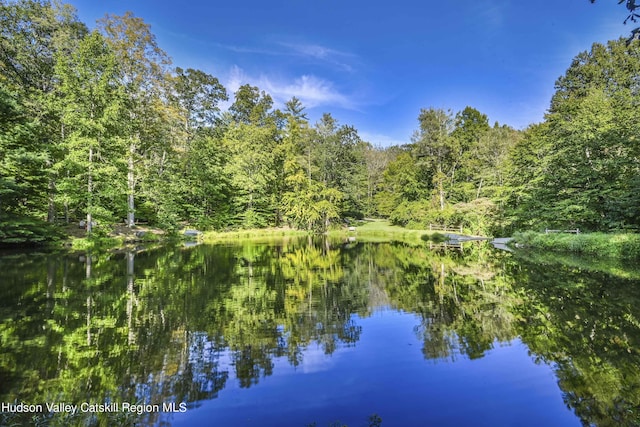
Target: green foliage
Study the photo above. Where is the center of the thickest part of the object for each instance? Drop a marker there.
(93, 112)
(577, 168)
(198, 94)
(477, 217)
(455, 174)
(251, 171)
(24, 230)
(438, 151)
(411, 214)
(97, 124)
(251, 106)
(23, 175)
(31, 35)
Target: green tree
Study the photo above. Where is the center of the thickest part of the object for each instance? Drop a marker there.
(198, 94)
(90, 85)
(493, 152)
(23, 185)
(251, 106)
(338, 154)
(437, 150)
(295, 165)
(32, 35)
(251, 171)
(401, 182)
(586, 175)
(526, 167)
(376, 160)
(470, 126)
(198, 182)
(144, 74)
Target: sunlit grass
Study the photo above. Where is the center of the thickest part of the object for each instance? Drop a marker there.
(252, 234)
(382, 230)
(369, 230)
(610, 245)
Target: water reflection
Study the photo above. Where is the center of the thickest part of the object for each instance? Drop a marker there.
(586, 321)
(179, 324)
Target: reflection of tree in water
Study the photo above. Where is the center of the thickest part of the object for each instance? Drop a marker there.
(463, 300)
(89, 333)
(281, 303)
(178, 325)
(167, 325)
(583, 322)
(587, 324)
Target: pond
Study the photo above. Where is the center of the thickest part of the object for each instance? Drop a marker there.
(308, 332)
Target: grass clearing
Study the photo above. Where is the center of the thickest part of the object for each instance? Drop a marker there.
(368, 230)
(252, 234)
(378, 230)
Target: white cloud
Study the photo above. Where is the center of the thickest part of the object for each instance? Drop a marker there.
(237, 77)
(328, 56)
(249, 50)
(325, 54)
(311, 90)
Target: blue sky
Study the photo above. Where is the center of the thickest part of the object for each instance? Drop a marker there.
(373, 64)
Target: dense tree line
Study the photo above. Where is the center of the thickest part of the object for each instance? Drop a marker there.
(99, 126)
(580, 166)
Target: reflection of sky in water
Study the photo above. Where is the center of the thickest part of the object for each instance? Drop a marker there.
(386, 373)
(315, 360)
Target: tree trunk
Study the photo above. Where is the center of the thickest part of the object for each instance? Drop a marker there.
(51, 211)
(131, 187)
(90, 192)
(479, 188)
(66, 207)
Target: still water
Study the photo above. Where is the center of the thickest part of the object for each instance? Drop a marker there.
(312, 332)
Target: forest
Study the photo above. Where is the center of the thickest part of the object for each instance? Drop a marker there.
(99, 126)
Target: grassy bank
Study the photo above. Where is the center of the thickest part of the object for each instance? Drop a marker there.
(115, 236)
(382, 230)
(370, 230)
(252, 234)
(619, 245)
